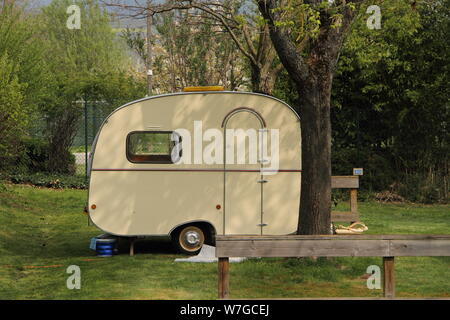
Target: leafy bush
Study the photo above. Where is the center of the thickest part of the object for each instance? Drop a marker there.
(2, 186)
(390, 103)
(13, 116)
(50, 180)
(35, 157)
(388, 196)
(384, 181)
(422, 188)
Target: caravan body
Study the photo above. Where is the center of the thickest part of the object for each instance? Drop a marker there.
(136, 189)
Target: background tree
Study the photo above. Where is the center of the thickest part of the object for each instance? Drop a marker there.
(380, 117)
(84, 63)
(13, 119)
(195, 52)
(23, 78)
(391, 101)
(239, 19)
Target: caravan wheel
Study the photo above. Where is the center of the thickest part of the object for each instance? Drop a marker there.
(190, 239)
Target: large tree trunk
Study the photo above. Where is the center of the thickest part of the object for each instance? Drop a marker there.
(315, 197)
(311, 66)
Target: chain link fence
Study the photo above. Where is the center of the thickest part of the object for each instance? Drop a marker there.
(94, 114)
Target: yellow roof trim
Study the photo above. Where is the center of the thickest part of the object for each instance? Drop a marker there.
(207, 88)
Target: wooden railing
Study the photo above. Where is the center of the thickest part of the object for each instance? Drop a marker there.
(386, 246)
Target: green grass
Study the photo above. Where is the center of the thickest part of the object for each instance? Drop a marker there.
(43, 231)
(403, 218)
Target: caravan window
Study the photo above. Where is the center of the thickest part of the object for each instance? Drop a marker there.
(150, 146)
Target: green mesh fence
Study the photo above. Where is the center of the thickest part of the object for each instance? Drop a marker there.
(94, 113)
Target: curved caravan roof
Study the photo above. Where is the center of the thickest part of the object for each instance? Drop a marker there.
(129, 197)
(139, 101)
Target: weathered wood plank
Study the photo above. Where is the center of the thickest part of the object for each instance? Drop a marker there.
(303, 248)
(224, 277)
(222, 238)
(388, 277)
(340, 216)
(343, 246)
(418, 248)
(345, 182)
(348, 298)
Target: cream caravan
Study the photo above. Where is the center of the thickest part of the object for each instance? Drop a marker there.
(166, 165)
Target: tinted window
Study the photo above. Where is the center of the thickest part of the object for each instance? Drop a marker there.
(150, 146)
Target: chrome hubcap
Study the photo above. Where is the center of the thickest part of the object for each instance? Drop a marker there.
(192, 238)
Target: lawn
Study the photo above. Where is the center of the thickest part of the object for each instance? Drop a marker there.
(43, 231)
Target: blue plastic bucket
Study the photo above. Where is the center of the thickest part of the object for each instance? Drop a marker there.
(105, 247)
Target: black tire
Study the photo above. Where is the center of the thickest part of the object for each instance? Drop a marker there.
(189, 239)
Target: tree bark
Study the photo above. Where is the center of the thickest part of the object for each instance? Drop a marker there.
(263, 79)
(315, 199)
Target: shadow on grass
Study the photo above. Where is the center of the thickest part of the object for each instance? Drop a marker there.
(147, 246)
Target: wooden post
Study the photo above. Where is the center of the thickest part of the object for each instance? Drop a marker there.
(354, 200)
(132, 247)
(224, 278)
(388, 277)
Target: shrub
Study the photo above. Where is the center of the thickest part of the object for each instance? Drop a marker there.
(388, 196)
(2, 186)
(13, 114)
(423, 188)
(35, 157)
(50, 180)
(388, 181)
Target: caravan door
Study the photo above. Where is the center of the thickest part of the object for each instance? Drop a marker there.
(243, 189)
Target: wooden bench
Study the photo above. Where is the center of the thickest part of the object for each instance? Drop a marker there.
(351, 183)
(385, 246)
